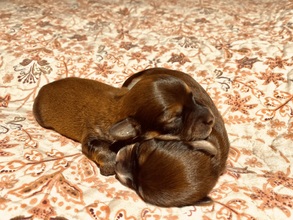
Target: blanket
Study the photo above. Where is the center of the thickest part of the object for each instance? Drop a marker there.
(241, 52)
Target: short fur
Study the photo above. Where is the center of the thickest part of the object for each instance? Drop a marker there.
(218, 135)
(169, 173)
(99, 115)
(84, 111)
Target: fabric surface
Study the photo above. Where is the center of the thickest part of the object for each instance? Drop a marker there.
(241, 52)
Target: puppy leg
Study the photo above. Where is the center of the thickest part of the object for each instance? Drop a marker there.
(99, 151)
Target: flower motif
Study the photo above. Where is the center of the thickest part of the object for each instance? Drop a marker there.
(279, 178)
(138, 56)
(104, 69)
(259, 126)
(178, 58)
(253, 162)
(239, 104)
(270, 199)
(7, 78)
(277, 62)
(278, 124)
(270, 76)
(7, 182)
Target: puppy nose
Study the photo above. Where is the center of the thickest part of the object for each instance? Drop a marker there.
(209, 120)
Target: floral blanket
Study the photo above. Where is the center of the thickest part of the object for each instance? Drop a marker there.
(241, 52)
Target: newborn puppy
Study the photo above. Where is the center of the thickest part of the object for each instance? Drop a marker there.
(169, 173)
(167, 107)
(177, 173)
(192, 121)
(84, 110)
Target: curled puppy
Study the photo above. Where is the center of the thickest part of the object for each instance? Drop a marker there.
(203, 118)
(169, 173)
(84, 110)
(166, 107)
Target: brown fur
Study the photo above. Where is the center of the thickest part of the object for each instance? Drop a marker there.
(99, 115)
(170, 173)
(82, 110)
(167, 173)
(218, 135)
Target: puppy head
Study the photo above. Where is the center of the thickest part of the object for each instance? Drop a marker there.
(164, 104)
(168, 173)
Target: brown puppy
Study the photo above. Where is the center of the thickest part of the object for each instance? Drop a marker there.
(216, 134)
(168, 173)
(99, 115)
(166, 105)
(84, 110)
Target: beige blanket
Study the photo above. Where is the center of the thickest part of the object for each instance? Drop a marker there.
(241, 51)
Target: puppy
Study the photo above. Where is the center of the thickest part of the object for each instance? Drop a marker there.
(169, 173)
(84, 111)
(104, 118)
(168, 107)
(203, 117)
(177, 173)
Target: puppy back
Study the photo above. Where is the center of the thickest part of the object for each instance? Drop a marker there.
(71, 105)
(170, 174)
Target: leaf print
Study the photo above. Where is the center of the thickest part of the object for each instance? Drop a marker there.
(243, 60)
(87, 170)
(4, 144)
(26, 62)
(246, 62)
(35, 187)
(70, 192)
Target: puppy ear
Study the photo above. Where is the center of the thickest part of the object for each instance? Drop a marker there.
(172, 117)
(125, 129)
(205, 146)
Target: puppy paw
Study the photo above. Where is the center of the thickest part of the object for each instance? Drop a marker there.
(125, 129)
(107, 170)
(99, 152)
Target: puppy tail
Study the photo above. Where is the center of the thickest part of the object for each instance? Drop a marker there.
(205, 146)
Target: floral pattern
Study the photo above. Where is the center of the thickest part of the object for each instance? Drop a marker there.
(241, 52)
